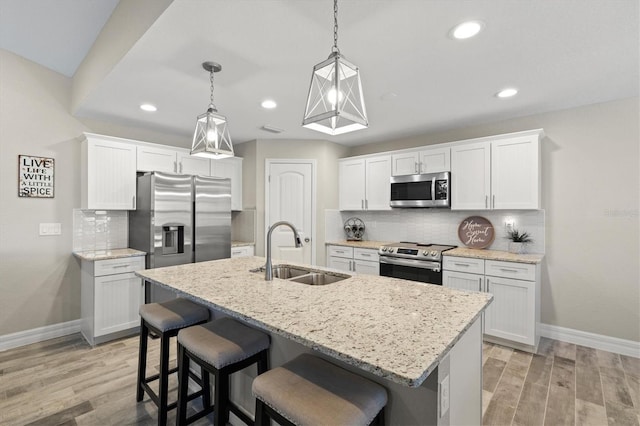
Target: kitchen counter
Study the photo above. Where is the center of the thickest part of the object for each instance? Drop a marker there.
(358, 244)
(93, 255)
(495, 255)
(395, 329)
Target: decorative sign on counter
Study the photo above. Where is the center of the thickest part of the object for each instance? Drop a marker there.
(476, 232)
(35, 176)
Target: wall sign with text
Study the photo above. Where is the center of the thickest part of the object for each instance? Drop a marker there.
(35, 176)
(476, 232)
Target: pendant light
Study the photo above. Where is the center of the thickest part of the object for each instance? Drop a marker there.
(211, 138)
(335, 104)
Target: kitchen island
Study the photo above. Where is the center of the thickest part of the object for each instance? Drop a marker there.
(422, 342)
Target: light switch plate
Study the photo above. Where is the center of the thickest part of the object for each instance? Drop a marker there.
(47, 229)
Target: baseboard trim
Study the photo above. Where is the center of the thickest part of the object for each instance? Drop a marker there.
(592, 340)
(40, 334)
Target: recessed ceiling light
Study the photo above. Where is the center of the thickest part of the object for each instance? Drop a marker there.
(466, 30)
(269, 104)
(148, 107)
(507, 93)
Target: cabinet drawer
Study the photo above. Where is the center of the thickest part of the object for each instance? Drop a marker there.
(365, 254)
(463, 264)
(519, 271)
(341, 251)
(118, 266)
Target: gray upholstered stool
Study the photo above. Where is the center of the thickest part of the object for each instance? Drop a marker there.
(165, 320)
(311, 391)
(220, 347)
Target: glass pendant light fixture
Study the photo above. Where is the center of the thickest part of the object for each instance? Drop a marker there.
(335, 104)
(211, 138)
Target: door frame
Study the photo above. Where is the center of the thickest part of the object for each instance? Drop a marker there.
(314, 166)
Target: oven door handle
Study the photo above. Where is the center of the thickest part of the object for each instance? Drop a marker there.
(422, 264)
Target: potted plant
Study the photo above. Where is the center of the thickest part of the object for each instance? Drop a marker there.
(519, 241)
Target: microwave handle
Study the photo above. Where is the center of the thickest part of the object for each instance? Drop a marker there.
(433, 189)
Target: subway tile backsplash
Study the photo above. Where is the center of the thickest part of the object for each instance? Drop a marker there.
(100, 229)
(437, 226)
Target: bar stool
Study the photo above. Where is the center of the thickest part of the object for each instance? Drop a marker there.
(165, 320)
(311, 391)
(220, 347)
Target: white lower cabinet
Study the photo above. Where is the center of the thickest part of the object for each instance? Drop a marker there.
(350, 259)
(111, 296)
(513, 316)
(242, 251)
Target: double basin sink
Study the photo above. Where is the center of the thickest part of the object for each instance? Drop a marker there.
(303, 276)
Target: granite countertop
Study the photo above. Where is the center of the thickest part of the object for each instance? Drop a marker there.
(395, 329)
(93, 255)
(242, 243)
(494, 255)
(358, 244)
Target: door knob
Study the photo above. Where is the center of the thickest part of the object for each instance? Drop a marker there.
(306, 240)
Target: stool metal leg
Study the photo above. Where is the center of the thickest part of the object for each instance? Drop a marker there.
(142, 360)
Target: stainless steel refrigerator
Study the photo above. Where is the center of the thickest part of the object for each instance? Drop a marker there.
(180, 219)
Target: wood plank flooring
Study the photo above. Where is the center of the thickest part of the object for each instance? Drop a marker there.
(66, 382)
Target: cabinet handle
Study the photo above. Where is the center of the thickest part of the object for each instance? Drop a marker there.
(486, 201)
(509, 270)
(339, 251)
(480, 284)
(462, 264)
(365, 254)
(494, 202)
(133, 201)
(236, 252)
(416, 167)
(120, 266)
(361, 204)
(175, 167)
(354, 265)
(488, 288)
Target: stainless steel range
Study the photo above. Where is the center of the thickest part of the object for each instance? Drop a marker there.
(413, 261)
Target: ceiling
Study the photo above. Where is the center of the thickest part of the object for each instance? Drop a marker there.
(416, 79)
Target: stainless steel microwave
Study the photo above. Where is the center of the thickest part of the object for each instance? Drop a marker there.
(423, 190)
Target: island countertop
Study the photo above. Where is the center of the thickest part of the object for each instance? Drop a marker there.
(393, 328)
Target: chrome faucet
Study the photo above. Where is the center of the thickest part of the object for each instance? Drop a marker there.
(268, 268)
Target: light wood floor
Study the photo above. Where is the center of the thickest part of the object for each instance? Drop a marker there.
(65, 382)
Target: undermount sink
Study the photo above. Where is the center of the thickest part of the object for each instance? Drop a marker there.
(303, 276)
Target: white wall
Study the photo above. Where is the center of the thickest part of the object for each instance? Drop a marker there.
(590, 193)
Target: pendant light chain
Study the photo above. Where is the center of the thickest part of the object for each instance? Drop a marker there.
(335, 27)
(211, 80)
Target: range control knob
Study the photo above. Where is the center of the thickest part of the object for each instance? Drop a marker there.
(383, 249)
(425, 253)
(434, 253)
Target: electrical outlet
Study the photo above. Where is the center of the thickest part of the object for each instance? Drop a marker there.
(509, 224)
(47, 229)
(444, 396)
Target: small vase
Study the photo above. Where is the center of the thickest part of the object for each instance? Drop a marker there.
(517, 248)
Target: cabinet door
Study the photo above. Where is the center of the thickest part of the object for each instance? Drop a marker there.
(511, 315)
(462, 281)
(108, 175)
(515, 173)
(339, 263)
(367, 267)
(435, 160)
(156, 159)
(230, 168)
(117, 301)
(406, 163)
(378, 183)
(351, 184)
(190, 165)
(470, 176)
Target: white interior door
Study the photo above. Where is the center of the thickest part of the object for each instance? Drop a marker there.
(290, 196)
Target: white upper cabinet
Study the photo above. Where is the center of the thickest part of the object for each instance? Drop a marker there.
(433, 160)
(230, 168)
(364, 183)
(108, 174)
(497, 174)
(471, 176)
(171, 160)
(515, 173)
